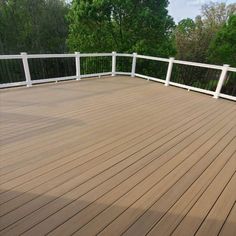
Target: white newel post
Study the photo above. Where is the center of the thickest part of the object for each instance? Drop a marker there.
(77, 65)
(221, 80)
(169, 71)
(134, 64)
(113, 73)
(26, 69)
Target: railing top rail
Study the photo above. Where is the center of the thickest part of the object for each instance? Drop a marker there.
(124, 55)
(198, 64)
(153, 58)
(95, 54)
(232, 69)
(50, 55)
(6, 57)
(68, 55)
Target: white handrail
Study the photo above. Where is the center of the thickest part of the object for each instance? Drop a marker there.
(198, 64)
(95, 54)
(153, 58)
(8, 57)
(124, 55)
(232, 69)
(50, 55)
(171, 61)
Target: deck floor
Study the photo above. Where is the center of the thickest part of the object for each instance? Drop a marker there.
(116, 156)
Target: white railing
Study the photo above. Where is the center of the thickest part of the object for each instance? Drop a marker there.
(114, 56)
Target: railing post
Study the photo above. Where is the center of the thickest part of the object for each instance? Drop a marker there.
(134, 64)
(113, 73)
(169, 71)
(77, 65)
(221, 80)
(26, 69)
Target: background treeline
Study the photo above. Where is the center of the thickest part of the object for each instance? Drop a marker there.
(57, 26)
(142, 26)
(33, 26)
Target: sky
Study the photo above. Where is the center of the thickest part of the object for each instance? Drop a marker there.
(180, 9)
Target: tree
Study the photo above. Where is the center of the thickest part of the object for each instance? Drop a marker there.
(193, 38)
(223, 47)
(214, 15)
(33, 26)
(120, 25)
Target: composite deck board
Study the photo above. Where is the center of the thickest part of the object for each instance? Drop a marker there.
(229, 226)
(113, 156)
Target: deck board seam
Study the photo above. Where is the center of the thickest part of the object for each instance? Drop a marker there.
(163, 192)
(24, 166)
(120, 197)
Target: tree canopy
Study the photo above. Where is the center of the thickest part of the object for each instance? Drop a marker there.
(33, 26)
(223, 47)
(193, 37)
(56, 26)
(120, 25)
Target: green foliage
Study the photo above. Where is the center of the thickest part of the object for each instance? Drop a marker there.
(193, 38)
(223, 47)
(33, 26)
(120, 25)
(41, 26)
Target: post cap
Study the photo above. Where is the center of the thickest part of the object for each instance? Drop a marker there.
(23, 53)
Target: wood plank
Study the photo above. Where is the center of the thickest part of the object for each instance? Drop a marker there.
(115, 156)
(78, 191)
(229, 227)
(82, 139)
(63, 186)
(86, 157)
(137, 208)
(94, 209)
(38, 139)
(194, 218)
(216, 217)
(54, 160)
(165, 221)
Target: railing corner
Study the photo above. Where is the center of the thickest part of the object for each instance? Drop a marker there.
(221, 80)
(169, 71)
(26, 69)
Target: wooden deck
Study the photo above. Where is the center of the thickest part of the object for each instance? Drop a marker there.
(116, 156)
